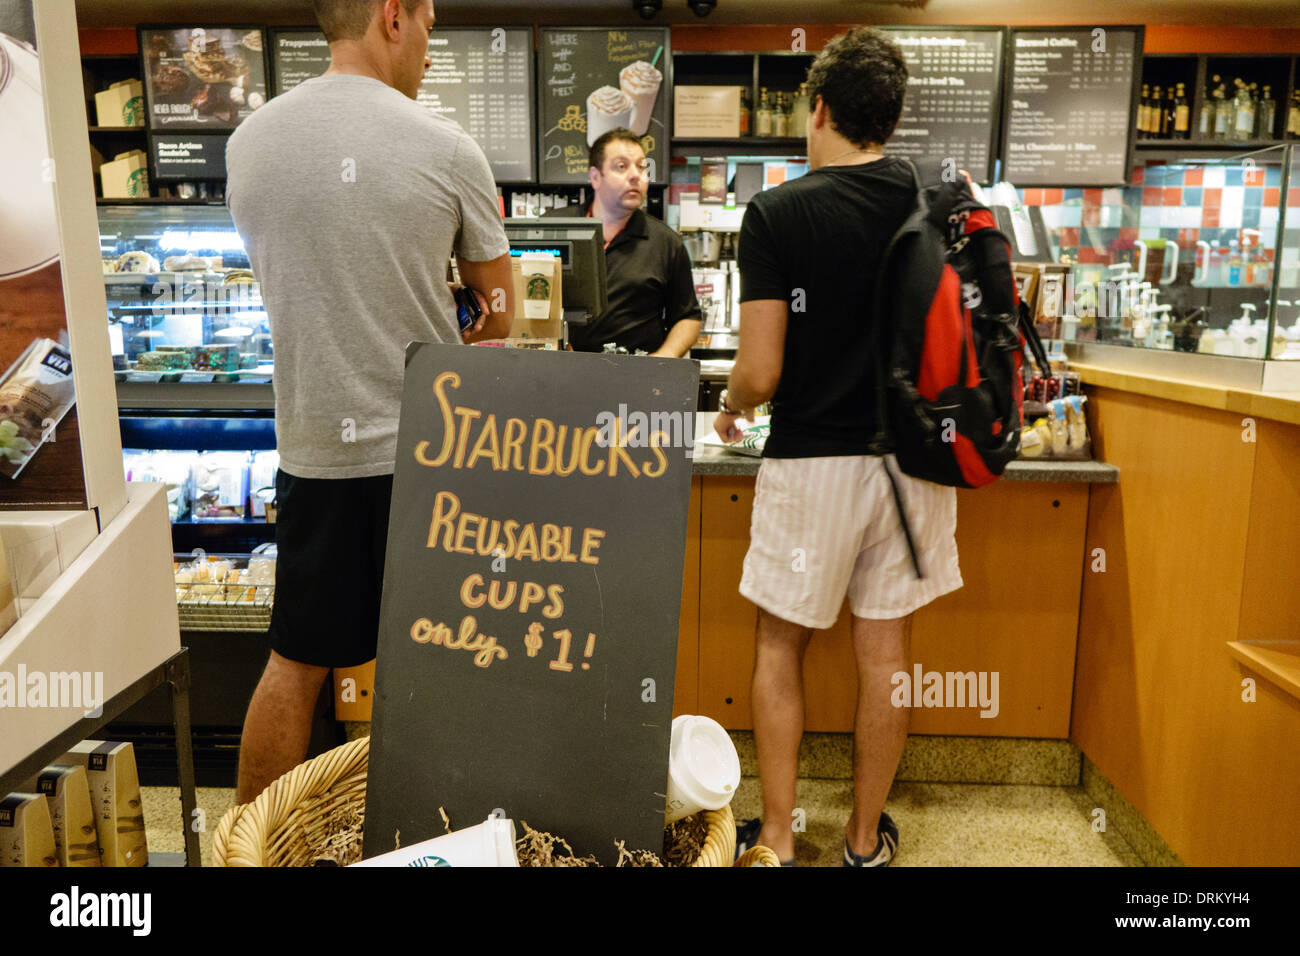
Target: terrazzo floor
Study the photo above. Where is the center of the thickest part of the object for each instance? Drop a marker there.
(940, 824)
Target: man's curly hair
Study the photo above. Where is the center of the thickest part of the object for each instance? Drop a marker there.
(861, 77)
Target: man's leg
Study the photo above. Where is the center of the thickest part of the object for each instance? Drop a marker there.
(278, 726)
(778, 724)
(882, 649)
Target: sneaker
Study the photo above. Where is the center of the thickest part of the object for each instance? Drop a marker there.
(886, 846)
(747, 837)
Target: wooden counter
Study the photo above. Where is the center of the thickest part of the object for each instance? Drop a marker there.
(1021, 553)
(1185, 689)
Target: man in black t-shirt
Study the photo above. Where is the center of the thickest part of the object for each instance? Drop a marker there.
(824, 519)
(652, 303)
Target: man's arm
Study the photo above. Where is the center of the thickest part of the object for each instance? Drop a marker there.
(496, 288)
(760, 355)
(764, 314)
(759, 359)
(681, 307)
(681, 337)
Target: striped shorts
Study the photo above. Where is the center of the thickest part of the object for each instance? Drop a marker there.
(824, 527)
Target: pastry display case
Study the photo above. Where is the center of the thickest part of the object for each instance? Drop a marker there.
(183, 306)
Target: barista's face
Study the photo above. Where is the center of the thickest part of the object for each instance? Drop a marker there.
(409, 33)
(622, 182)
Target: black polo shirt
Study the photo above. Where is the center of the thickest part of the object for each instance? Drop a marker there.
(648, 272)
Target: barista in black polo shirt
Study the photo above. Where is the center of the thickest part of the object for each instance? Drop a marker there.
(652, 304)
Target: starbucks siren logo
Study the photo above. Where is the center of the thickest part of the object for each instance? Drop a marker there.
(539, 288)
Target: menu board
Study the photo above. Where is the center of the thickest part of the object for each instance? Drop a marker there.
(1069, 106)
(594, 80)
(528, 634)
(951, 107)
(481, 79)
(202, 78)
(188, 157)
(296, 56)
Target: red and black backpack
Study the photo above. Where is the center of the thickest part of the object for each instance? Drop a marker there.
(950, 331)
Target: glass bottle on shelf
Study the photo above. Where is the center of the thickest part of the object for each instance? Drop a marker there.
(1168, 114)
(1182, 114)
(799, 112)
(1293, 116)
(1222, 113)
(780, 117)
(763, 126)
(1266, 120)
(1144, 113)
(1154, 109)
(1205, 122)
(746, 116)
(1243, 126)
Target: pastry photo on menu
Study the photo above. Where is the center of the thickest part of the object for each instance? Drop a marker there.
(203, 77)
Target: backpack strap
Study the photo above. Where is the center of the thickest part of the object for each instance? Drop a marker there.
(882, 443)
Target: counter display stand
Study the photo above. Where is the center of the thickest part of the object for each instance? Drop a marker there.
(111, 611)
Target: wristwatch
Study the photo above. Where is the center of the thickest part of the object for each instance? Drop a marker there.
(725, 407)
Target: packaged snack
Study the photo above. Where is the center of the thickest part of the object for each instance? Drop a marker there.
(1044, 430)
(1076, 423)
(1031, 442)
(219, 486)
(169, 468)
(217, 358)
(35, 393)
(1060, 436)
(160, 360)
(262, 481)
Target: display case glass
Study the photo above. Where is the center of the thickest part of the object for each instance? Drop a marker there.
(1198, 255)
(183, 305)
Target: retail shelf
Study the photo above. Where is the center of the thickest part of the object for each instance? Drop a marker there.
(1280, 664)
(140, 130)
(96, 618)
(158, 201)
(180, 396)
(1231, 146)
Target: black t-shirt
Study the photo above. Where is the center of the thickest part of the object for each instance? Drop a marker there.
(816, 242)
(648, 272)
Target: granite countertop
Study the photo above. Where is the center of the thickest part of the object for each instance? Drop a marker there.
(713, 460)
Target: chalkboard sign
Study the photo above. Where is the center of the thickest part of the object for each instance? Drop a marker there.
(1069, 106)
(193, 157)
(953, 88)
(481, 79)
(532, 590)
(297, 56)
(203, 77)
(593, 80)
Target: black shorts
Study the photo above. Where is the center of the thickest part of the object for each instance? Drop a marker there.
(330, 535)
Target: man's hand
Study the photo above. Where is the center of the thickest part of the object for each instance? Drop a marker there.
(467, 335)
(725, 425)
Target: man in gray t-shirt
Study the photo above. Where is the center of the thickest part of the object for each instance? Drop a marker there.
(350, 199)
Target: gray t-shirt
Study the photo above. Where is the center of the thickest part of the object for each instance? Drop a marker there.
(350, 198)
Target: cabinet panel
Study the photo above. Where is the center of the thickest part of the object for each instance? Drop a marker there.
(1022, 554)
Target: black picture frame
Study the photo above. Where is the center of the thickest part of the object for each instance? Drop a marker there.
(999, 94)
(1139, 36)
(662, 152)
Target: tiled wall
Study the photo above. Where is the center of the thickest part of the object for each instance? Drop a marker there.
(1179, 203)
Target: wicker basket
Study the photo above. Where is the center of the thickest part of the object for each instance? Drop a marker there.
(289, 819)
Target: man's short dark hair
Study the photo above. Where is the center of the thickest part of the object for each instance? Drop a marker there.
(349, 19)
(861, 76)
(596, 157)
